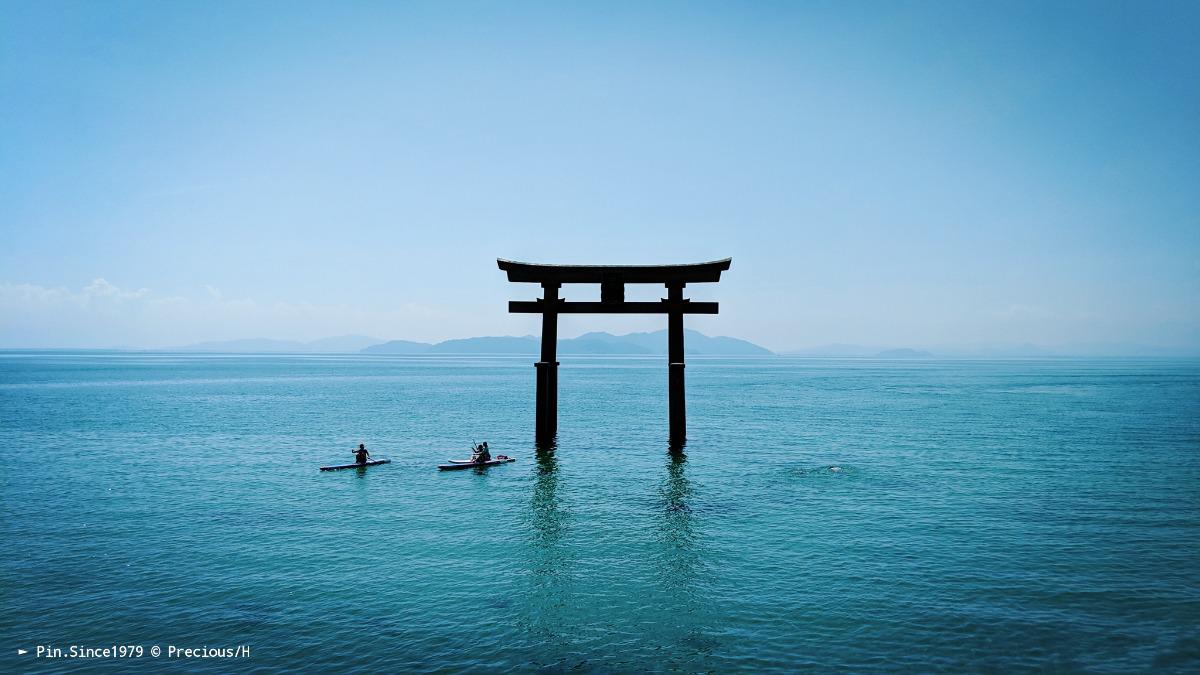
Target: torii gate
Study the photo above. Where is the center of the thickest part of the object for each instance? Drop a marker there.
(612, 280)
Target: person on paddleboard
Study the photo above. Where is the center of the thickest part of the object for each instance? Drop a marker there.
(481, 453)
(361, 455)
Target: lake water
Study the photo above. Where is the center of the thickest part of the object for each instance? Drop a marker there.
(982, 516)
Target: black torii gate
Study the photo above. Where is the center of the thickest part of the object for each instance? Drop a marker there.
(612, 280)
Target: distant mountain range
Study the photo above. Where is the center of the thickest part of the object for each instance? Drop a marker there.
(655, 343)
(695, 344)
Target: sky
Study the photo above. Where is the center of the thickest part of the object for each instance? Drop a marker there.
(900, 174)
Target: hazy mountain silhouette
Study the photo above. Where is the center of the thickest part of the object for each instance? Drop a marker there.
(696, 344)
(397, 347)
(343, 343)
(481, 345)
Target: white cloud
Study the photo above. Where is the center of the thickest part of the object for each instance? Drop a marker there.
(100, 289)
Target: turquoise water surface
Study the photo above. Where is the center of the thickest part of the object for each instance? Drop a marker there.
(827, 514)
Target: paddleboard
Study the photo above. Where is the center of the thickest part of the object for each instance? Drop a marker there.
(458, 464)
(355, 465)
(471, 461)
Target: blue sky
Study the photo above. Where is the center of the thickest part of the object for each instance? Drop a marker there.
(892, 174)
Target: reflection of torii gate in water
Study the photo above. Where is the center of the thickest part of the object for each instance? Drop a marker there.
(612, 280)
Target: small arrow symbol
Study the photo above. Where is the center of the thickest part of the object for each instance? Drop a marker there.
(21, 651)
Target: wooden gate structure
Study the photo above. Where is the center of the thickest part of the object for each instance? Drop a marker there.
(612, 280)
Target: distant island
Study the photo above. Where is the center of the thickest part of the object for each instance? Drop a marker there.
(596, 343)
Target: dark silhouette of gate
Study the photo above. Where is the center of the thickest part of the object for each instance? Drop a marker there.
(612, 280)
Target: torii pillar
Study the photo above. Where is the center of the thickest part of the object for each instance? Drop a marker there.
(676, 404)
(547, 368)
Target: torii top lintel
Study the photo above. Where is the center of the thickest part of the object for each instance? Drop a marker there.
(622, 274)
